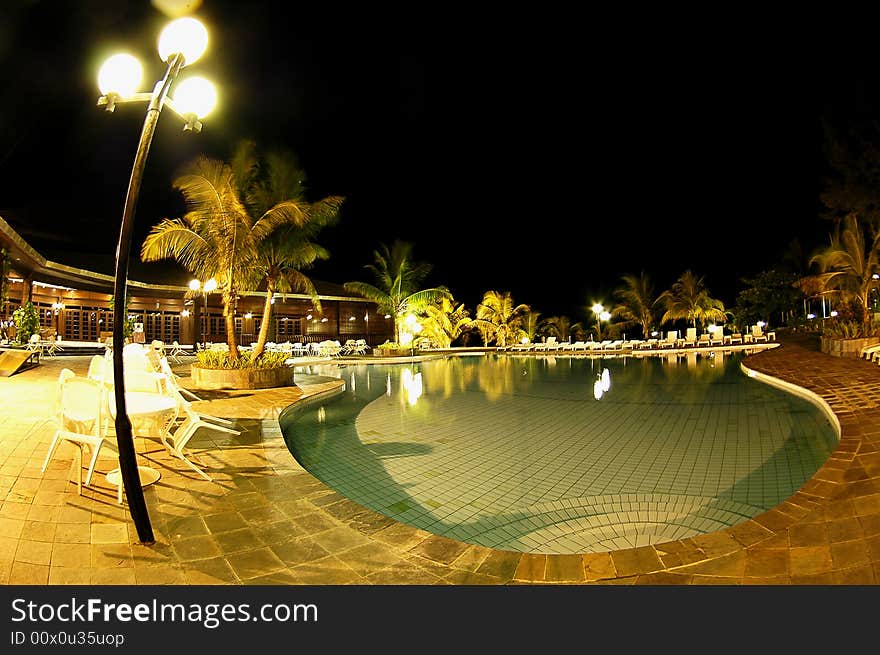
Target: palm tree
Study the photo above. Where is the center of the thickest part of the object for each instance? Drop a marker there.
(444, 322)
(500, 319)
(398, 277)
(848, 265)
(689, 299)
(636, 302)
(531, 324)
(284, 253)
(557, 326)
(218, 236)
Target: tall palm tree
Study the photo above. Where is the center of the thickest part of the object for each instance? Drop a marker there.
(218, 236)
(689, 299)
(499, 318)
(284, 253)
(444, 322)
(636, 302)
(848, 265)
(531, 324)
(398, 277)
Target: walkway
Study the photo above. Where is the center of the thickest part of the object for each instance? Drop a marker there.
(264, 520)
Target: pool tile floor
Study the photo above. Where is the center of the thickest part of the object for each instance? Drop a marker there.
(264, 520)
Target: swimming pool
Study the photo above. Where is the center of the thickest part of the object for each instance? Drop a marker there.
(547, 455)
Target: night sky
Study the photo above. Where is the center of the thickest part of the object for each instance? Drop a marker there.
(530, 153)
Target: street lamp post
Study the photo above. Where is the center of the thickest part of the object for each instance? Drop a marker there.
(601, 315)
(206, 288)
(182, 42)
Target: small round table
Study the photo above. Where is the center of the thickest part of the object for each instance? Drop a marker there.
(140, 404)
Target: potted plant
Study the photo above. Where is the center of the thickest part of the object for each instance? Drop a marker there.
(214, 369)
(846, 338)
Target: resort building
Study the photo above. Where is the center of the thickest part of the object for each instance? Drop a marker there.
(73, 300)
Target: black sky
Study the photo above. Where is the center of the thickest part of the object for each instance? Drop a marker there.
(533, 153)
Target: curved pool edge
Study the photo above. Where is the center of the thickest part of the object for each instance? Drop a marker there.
(796, 390)
(776, 547)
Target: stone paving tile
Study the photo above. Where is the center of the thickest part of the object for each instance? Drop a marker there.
(266, 521)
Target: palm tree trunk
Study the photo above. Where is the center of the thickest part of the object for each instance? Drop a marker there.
(396, 329)
(229, 316)
(267, 317)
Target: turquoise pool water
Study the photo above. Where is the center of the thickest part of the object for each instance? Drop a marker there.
(530, 454)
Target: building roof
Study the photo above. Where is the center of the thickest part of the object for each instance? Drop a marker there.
(94, 271)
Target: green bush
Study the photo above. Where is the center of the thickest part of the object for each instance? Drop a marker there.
(850, 329)
(27, 322)
(221, 359)
(389, 345)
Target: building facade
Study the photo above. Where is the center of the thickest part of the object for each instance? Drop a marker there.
(74, 304)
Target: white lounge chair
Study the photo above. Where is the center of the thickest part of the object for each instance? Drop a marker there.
(671, 340)
(731, 339)
(717, 336)
(690, 338)
(758, 334)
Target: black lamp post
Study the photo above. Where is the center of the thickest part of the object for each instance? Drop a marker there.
(182, 42)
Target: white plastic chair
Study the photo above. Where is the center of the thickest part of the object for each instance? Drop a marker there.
(35, 345)
(176, 351)
(80, 421)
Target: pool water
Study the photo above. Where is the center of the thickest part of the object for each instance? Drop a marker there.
(536, 454)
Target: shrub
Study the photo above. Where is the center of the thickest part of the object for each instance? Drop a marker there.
(389, 345)
(27, 322)
(220, 359)
(850, 329)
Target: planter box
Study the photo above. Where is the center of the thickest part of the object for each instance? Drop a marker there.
(846, 347)
(224, 378)
(392, 352)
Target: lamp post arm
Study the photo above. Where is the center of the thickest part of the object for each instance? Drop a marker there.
(124, 439)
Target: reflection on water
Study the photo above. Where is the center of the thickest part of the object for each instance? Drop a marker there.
(411, 384)
(515, 453)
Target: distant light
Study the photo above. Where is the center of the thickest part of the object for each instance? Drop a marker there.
(606, 380)
(186, 36)
(308, 317)
(272, 300)
(654, 333)
(324, 320)
(184, 313)
(351, 318)
(876, 276)
(387, 315)
(195, 95)
(761, 324)
(366, 317)
(248, 315)
(524, 340)
(283, 318)
(811, 316)
(120, 74)
(834, 313)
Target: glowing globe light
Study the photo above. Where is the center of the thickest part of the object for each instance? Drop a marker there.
(120, 74)
(186, 36)
(210, 285)
(597, 389)
(598, 309)
(195, 285)
(604, 316)
(195, 95)
(606, 379)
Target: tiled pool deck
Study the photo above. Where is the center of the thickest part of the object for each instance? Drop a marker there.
(264, 520)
